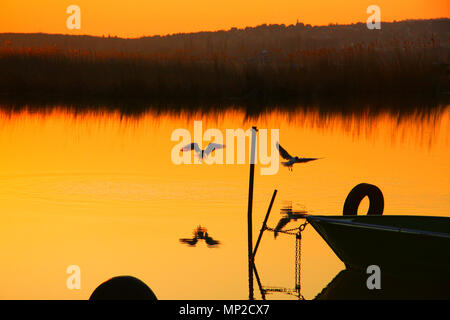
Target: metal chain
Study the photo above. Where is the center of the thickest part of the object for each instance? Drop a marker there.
(298, 238)
(289, 231)
(297, 260)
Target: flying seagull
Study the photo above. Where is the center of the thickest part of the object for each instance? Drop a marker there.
(291, 159)
(289, 215)
(202, 153)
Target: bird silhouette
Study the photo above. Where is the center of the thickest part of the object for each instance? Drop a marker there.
(289, 215)
(291, 159)
(201, 154)
(191, 242)
(200, 233)
(210, 241)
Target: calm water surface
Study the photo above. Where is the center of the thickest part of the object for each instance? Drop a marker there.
(100, 191)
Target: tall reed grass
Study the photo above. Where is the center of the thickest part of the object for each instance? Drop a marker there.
(391, 68)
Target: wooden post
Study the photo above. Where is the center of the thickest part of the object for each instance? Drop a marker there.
(249, 215)
(264, 224)
(261, 289)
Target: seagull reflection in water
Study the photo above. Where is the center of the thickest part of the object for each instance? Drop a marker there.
(200, 233)
(288, 216)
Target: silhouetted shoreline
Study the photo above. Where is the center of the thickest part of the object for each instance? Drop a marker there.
(404, 64)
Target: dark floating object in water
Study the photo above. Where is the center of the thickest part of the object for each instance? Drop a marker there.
(289, 215)
(123, 288)
(398, 244)
(200, 233)
(292, 160)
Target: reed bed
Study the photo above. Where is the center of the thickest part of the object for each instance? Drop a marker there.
(386, 68)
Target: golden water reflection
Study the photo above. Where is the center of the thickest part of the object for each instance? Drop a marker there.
(100, 191)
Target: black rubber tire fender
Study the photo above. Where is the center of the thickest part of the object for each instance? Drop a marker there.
(358, 193)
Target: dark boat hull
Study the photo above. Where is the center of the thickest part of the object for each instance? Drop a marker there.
(397, 244)
(351, 285)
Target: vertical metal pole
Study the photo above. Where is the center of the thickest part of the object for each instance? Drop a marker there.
(249, 215)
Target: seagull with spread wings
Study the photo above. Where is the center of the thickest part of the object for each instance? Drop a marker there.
(291, 159)
(201, 154)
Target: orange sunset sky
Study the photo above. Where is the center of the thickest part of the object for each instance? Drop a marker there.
(135, 18)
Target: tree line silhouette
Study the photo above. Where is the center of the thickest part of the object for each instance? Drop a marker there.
(264, 65)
